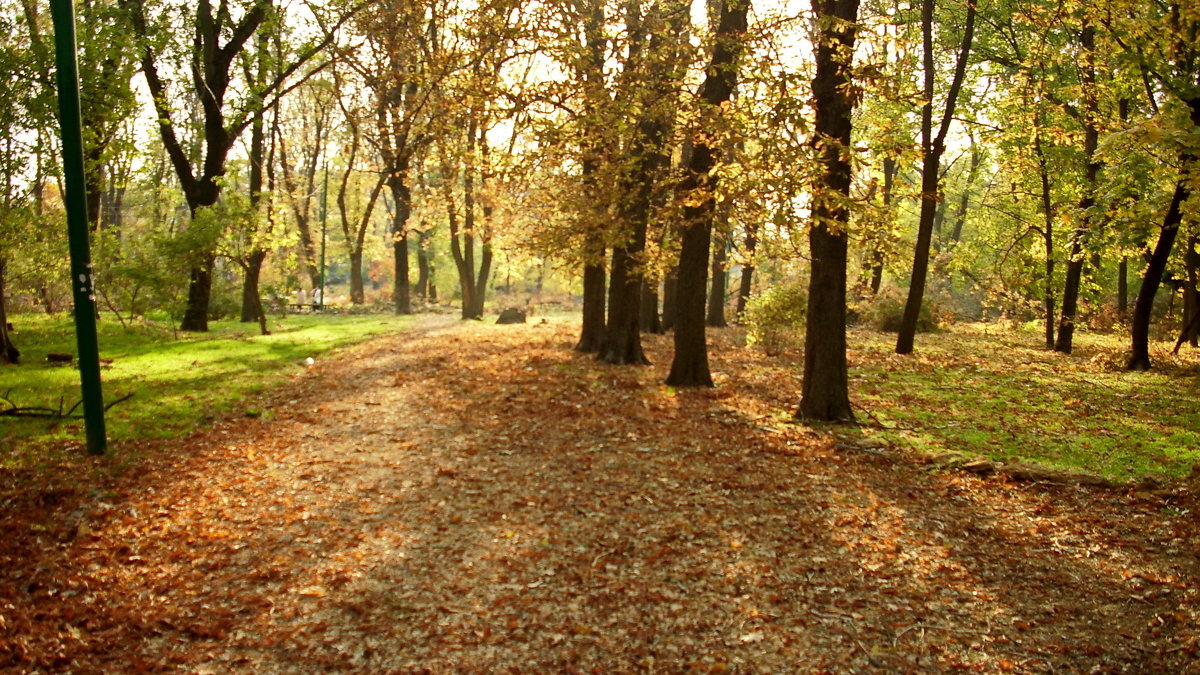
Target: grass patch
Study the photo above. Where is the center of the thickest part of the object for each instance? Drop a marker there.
(992, 391)
(178, 383)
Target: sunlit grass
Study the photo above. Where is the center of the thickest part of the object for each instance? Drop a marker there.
(983, 390)
(178, 382)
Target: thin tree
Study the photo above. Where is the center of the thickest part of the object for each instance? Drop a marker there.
(932, 148)
(219, 39)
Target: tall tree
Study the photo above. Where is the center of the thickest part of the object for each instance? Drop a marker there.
(1173, 65)
(932, 147)
(354, 221)
(689, 368)
(1090, 119)
(396, 63)
(219, 38)
(654, 70)
(825, 389)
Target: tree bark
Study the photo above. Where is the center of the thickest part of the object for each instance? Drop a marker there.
(1123, 288)
(689, 368)
(670, 294)
(1139, 358)
(1091, 171)
(890, 169)
(825, 391)
(932, 149)
(650, 320)
(591, 335)
(1047, 240)
(1191, 298)
(199, 297)
(423, 271)
(747, 278)
(8, 351)
(720, 280)
(252, 309)
(484, 231)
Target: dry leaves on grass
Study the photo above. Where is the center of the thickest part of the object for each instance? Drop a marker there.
(478, 498)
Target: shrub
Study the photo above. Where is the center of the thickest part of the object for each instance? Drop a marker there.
(775, 317)
(885, 311)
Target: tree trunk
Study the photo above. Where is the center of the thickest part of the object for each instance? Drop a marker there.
(252, 308)
(890, 169)
(1140, 329)
(485, 230)
(422, 265)
(8, 351)
(670, 294)
(932, 148)
(94, 187)
(357, 294)
(964, 200)
(195, 316)
(1091, 171)
(591, 335)
(650, 321)
(1191, 299)
(622, 337)
(1047, 239)
(825, 392)
(717, 287)
(1123, 288)
(747, 281)
(402, 198)
(689, 368)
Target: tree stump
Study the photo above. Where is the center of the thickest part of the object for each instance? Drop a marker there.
(511, 315)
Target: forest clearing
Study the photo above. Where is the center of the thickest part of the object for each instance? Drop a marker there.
(467, 497)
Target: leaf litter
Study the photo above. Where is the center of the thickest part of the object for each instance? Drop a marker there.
(469, 498)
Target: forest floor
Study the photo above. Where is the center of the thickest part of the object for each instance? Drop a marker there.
(473, 498)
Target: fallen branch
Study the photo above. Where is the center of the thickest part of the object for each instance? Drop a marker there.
(14, 410)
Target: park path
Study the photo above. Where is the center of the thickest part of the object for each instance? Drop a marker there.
(473, 498)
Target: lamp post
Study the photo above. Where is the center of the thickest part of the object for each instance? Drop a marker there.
(82, 279)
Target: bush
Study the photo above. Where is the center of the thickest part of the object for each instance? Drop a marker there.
(775, 317)
(885, 311)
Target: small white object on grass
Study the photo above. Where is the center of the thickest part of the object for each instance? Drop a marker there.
(309, 361)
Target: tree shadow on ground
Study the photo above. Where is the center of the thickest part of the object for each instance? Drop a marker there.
(481, 499)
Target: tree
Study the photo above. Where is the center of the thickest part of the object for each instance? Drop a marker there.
(932, 148)
(654, 70)
(588, 63)
(354, 225)
(303, 134)
(219, 38)
(22, 112)
(689, 368)
(1162, 43)
(825, 389)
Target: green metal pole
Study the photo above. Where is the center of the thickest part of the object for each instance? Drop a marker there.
(82, 280)
(324, 218)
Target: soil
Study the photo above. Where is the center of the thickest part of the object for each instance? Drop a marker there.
(474, 498)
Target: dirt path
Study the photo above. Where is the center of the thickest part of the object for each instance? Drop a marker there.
(477, 498)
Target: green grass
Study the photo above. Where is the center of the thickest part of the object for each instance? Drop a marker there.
(178, 383)
(984, 390)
